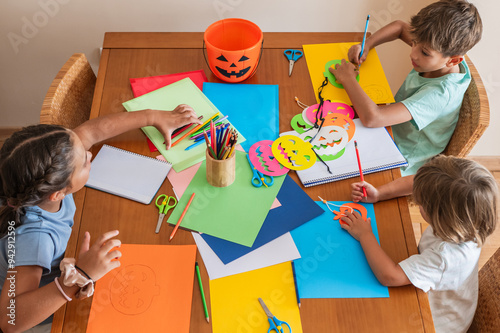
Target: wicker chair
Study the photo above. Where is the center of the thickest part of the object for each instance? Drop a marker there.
(474, 117)
(487, 317)
(69, 98)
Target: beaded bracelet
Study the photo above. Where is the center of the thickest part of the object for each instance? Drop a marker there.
(56, 281)
(70, 277)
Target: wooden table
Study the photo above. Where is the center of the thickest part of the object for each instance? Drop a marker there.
(130, 55)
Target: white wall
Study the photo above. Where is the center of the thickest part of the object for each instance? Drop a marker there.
(39, 36)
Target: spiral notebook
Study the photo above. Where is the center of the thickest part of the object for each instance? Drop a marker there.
(127, 174)
(377, 152)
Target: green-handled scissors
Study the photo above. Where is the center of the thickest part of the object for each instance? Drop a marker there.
(275, 325)
(164, 208)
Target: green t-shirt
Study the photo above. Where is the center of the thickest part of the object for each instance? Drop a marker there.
(434, 104)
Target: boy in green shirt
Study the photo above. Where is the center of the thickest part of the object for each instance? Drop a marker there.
(428, 103)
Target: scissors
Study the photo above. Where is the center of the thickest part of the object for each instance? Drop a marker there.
(164, 208)
(292, 56)
(258, 178)
(275, 325)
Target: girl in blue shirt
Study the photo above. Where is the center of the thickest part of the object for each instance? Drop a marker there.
(40, 167)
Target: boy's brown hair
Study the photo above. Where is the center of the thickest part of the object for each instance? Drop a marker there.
(451, 27)
(459, 197)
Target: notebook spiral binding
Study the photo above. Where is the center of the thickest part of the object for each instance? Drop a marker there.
(347, 175)
(136, 154)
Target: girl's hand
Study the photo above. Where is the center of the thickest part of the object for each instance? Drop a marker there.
(344, 71)
(372, 194)
(353, 54)
(356, 226)
(167, 122)
(97, 260)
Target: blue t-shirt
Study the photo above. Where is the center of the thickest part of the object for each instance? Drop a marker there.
(434, 104)
(40, 240)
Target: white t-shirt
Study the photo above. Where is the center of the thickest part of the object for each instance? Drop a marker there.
(449, 273)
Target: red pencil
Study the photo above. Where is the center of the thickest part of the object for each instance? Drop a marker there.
(182, 216)
(360, 169)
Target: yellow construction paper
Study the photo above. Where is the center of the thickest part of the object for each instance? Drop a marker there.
(371, 74)
(235, 305)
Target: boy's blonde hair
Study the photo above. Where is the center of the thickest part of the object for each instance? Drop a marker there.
(459, 197)
(451, 27)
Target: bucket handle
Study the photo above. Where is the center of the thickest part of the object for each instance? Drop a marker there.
(254, 70)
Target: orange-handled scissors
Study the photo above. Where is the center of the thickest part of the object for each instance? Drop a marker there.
(164, 207)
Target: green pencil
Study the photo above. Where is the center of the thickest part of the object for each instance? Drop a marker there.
(201, 291)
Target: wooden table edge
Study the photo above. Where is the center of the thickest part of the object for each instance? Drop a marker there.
(194, 40)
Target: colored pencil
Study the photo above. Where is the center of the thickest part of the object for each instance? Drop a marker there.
(216, 121)
(211, 152)
(179, 130)
(182, 216)
(296, 284)
(194, 145)
(202, 292)
(364, 37)
(193, 130)
(212, 141)
(360, 169)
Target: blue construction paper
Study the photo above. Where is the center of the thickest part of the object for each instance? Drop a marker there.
(252, 108)
(296, 209)
(332, 263)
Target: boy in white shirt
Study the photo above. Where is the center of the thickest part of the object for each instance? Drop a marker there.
(457, 197)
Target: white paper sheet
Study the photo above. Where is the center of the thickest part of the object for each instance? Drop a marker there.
(280, 250)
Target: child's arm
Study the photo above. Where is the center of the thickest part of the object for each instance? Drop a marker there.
(390, 32)
(34, 304)
(397, 188)
(387, 272)
(370, 114)
(105, 127)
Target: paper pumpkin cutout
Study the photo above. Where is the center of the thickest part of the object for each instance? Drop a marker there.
(330, 140)
(330, 76)
(349, 207)
(262, 158)
(299, 124)
(133, 289)
(309, 114)
(341, 120)
(293, 152)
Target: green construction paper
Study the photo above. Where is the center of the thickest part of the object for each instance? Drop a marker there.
(330, 76)
(234, 213)
(167, 99)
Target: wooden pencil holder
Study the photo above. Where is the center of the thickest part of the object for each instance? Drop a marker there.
(220, 173)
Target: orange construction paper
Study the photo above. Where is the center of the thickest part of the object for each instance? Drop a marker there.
(151, 291)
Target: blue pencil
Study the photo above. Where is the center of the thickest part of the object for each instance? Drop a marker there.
(364, 37)
(296, 285)
(195, 144)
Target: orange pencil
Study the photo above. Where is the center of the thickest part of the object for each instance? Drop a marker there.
(182, 216)
(193, 130)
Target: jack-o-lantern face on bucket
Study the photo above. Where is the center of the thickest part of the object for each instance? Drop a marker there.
(232, 66)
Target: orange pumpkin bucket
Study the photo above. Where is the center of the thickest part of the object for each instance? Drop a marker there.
(233, 48)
